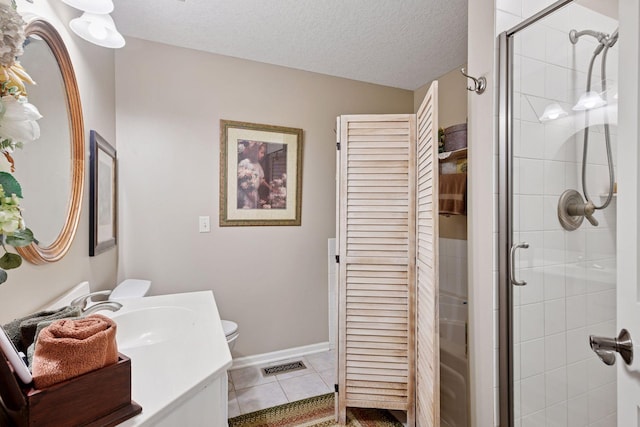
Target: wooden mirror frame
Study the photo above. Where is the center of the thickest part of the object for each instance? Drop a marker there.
(34, 253)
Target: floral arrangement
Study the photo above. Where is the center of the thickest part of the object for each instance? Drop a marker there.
(17, 126)
(278, 194)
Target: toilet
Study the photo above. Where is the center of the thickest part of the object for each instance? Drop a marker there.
(231, 332)
(130, 288)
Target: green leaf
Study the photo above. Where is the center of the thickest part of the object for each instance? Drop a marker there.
(9, 261)
(3, 276)
(10, 185)
(20, 238)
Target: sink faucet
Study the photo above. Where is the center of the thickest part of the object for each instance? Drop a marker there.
(82, 300)
(102, 305)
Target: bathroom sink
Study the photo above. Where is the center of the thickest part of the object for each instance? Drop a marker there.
(152, 325)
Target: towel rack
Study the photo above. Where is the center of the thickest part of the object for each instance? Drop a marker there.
(479, 84)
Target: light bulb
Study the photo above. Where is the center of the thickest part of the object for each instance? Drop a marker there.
(588, 101)
(552, 112)
(98, 30)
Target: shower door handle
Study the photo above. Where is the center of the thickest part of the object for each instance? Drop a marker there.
(512, 263)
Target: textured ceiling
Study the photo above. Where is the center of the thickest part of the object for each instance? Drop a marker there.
(398, 43)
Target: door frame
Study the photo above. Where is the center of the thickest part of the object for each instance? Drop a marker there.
(505, 210)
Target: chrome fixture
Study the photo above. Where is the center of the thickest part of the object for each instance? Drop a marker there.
(82, 300)
(479, 84)
(512, 265)
(571, 206)
(606, 348)
(572, 209)
(102, 305)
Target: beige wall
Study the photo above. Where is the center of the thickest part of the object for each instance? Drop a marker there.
(30, 286)
(271, 280)
(452, 110)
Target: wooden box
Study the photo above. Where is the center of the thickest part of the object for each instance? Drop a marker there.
(99, 398)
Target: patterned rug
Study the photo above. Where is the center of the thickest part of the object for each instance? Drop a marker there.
(314, 412)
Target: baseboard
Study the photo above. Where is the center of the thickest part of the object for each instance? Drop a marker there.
(288, 353)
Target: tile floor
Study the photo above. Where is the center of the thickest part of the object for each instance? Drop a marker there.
(250, 390)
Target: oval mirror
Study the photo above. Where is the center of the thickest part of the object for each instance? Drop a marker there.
(51, 169)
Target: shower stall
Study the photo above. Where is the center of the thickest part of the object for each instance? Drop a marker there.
(558, 139)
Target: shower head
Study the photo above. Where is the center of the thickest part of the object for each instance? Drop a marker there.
(613, 38)
(603, 38)
(575, 35)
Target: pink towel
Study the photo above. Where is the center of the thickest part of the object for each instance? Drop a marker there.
(71, 347)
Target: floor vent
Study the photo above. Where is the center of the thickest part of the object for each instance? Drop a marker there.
(285, 367)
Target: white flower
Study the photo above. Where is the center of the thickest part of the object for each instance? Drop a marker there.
(18, 120)
(11, 34)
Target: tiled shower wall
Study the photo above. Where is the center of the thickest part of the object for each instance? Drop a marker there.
(571, 275)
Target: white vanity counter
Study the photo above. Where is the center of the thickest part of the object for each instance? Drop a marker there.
(179, 359)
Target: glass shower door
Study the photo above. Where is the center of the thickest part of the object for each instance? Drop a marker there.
(563, 258)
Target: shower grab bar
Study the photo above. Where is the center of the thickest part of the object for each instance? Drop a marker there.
(512, 264)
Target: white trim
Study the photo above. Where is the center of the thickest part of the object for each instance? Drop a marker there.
(288, 353)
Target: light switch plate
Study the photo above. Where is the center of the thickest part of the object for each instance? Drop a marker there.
(204, 225)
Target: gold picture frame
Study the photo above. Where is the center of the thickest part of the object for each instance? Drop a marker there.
(260, 174)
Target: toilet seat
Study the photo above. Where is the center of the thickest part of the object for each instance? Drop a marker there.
(230, 328)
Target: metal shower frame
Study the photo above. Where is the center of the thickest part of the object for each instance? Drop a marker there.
(505, 209)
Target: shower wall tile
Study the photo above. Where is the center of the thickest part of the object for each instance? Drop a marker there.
(555, 142)
(554, 53)
(599, 374)
(531, 176)
(532, 397)
(531, 213)
(554, 317)
(505, 20)
(601, 307)
(532, 321)
(533, 292)
(532, 77)
(534, 420)
(554, 248)
(578, 345)
(550, 213)
(555, 387)
(513, 7)
(556, 415)
(533, 256)
(556, 83)
(532, 140)
(554, 178)
(577, 415)
(575, 279)
(576, 312)
(531, 358)
(555, 351)
(534, 43)
(577, 379)
(554, 282)
(601, 402)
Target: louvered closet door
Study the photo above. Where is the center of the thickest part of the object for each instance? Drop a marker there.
(428, 347)
(376, 241)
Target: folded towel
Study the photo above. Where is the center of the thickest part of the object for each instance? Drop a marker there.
(22, 331)
(71, 347)
(453, 190)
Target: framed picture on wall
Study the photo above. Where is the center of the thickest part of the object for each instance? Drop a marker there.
(260, 174)
(103, 184)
